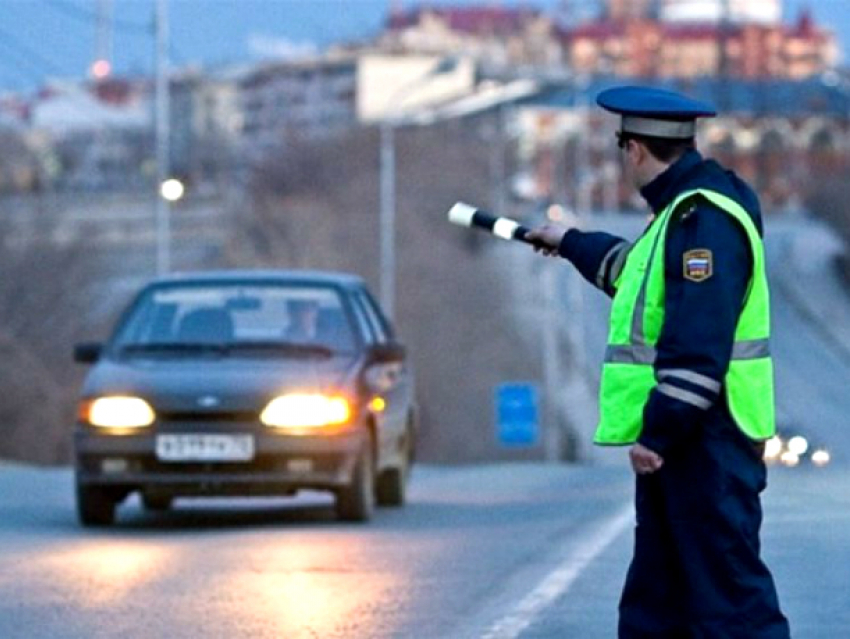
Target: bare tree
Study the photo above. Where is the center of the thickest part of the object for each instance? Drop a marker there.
(45, 305)
(18, 165)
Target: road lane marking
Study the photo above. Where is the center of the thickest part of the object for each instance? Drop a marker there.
(559, 581)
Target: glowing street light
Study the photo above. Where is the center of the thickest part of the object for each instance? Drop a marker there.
(101, 69)
(172, 189)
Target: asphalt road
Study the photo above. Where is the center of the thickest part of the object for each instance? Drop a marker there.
(471, 543)
(513, 550)
(501, 551)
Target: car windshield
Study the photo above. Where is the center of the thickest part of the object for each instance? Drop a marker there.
(250, 320)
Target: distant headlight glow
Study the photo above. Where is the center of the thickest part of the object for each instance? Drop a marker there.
(798, 445)
(118, 412)
(773, 448)
(820, 457)
(306, 410)
(790, 459)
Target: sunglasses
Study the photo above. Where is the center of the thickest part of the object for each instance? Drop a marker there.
(622, 141)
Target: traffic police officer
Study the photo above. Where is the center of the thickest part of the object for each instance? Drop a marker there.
(687, 379)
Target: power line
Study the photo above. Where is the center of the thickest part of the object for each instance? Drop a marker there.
(26, 57)
(89, 17)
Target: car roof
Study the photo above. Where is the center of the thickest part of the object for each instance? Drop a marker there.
(294, 276)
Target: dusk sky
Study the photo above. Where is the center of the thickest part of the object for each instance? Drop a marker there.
(56, 38)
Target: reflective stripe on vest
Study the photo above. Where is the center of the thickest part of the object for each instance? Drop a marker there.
(627, 354)
(637, 317)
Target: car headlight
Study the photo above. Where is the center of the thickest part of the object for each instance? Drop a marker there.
(306, 411)
(117, 412)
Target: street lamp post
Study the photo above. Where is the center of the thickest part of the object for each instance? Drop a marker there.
(388, 180)
(163, 205)
(387, 231)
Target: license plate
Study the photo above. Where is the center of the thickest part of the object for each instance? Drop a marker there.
(204, 447)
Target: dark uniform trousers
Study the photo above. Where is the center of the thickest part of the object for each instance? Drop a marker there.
(696, 572)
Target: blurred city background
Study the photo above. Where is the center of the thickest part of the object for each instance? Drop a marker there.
(336, 135)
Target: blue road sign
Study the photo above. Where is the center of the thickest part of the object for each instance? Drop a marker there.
(517, 421)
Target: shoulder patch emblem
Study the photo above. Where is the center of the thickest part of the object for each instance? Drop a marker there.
(698, 265)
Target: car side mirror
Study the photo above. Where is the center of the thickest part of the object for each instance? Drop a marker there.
(88, 352)
(387, 353)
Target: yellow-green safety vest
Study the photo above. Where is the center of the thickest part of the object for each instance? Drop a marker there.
(637, 317)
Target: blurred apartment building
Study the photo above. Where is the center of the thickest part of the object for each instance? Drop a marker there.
(206, 119)
(91, 136)
(784, 108)
(696, 38)
(304, 99)
(98, 134)
(629, 38)
(494, 36)
(781, 135)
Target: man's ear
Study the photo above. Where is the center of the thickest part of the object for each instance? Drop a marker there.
(638, 151)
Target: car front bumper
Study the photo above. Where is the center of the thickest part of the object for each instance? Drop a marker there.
(281, 463)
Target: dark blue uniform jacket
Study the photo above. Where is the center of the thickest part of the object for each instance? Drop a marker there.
(695, 344)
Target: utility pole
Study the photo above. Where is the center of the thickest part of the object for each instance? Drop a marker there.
(575, 286)
(723, 61)
(497, 162)
(387, 215)
(552, 386)
(390, 120)
(101, 67)
(163, 206)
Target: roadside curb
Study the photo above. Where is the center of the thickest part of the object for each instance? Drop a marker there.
(9, 464)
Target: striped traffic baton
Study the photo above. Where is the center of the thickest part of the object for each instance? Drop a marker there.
(503, 227)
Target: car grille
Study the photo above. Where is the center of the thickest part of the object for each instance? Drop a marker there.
(218, 416)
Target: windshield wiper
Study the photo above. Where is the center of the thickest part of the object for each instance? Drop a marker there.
(175, 347)
(288, 348)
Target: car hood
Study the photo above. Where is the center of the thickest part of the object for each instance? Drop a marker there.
(228, 383)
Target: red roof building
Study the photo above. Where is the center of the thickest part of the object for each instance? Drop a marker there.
(629, 40)
(473, 20)
(652, 48)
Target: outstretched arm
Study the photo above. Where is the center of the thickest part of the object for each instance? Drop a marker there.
(598, 256)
